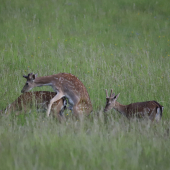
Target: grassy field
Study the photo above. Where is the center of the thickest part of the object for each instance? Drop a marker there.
(122, 44)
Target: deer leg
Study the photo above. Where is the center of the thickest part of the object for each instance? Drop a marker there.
(54, 99)
(60, 115)
(58, 109)
(76, 110)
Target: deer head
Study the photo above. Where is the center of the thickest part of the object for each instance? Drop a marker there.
(110, 101)
(29, 83)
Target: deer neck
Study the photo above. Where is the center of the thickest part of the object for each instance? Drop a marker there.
(120, 108)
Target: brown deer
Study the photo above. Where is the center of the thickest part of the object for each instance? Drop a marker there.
(65, 85)
(152, 109)
(38, 99)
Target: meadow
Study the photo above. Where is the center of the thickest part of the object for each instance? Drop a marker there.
(121, 44)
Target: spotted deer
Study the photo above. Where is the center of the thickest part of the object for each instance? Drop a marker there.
(65, 85)
(152, 109)
(38, 99)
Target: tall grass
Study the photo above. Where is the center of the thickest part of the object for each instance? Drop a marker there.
(119, 144)
(124, 45)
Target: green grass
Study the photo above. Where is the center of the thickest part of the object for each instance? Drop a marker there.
(124, 45)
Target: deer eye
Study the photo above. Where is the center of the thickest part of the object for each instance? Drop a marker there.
(27, 84)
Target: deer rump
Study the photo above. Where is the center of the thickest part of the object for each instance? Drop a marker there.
(39, 100)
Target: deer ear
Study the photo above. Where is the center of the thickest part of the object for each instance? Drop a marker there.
(116, 96)
(25, 76)
(34, 76)
(30, 76)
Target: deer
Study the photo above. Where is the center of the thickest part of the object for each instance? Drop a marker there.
(38, 99)
(65, 85)
(151, 109)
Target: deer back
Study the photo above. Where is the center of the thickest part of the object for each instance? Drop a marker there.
(70, 84)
